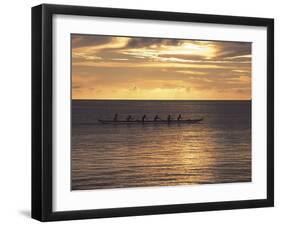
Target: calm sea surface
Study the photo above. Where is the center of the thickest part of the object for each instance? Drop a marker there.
(216, 150)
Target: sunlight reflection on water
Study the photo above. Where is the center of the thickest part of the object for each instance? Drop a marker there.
(217, 150)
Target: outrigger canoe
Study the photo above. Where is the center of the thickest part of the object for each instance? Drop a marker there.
(190, 121)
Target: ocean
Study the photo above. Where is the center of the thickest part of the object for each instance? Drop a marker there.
(216, 150)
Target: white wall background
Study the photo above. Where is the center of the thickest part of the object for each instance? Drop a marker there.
(15, 114)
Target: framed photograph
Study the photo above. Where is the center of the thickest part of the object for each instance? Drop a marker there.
(146, 112)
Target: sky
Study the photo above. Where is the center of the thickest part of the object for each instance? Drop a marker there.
(142, 68)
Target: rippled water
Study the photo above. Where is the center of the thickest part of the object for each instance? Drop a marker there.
(216, 150)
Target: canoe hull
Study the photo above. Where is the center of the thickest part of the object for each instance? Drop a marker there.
(188, 121)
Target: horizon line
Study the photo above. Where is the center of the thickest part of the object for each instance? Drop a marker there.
(166, 99)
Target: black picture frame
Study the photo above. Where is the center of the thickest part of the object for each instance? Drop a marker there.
(42, 106)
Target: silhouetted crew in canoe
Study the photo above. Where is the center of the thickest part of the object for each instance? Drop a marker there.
(129, 118)
(143, 118)
(115, 119)
(169, 118)
(179, 117)
(156, 118)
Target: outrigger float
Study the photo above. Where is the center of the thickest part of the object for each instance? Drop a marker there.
(125, 122)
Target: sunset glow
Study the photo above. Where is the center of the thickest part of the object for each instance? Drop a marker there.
(110, 67)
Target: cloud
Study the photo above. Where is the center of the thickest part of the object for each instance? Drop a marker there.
(123, 67)
(183, 57)
(89, 40)
(151, 42)
(225, 52)
(233, 49)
